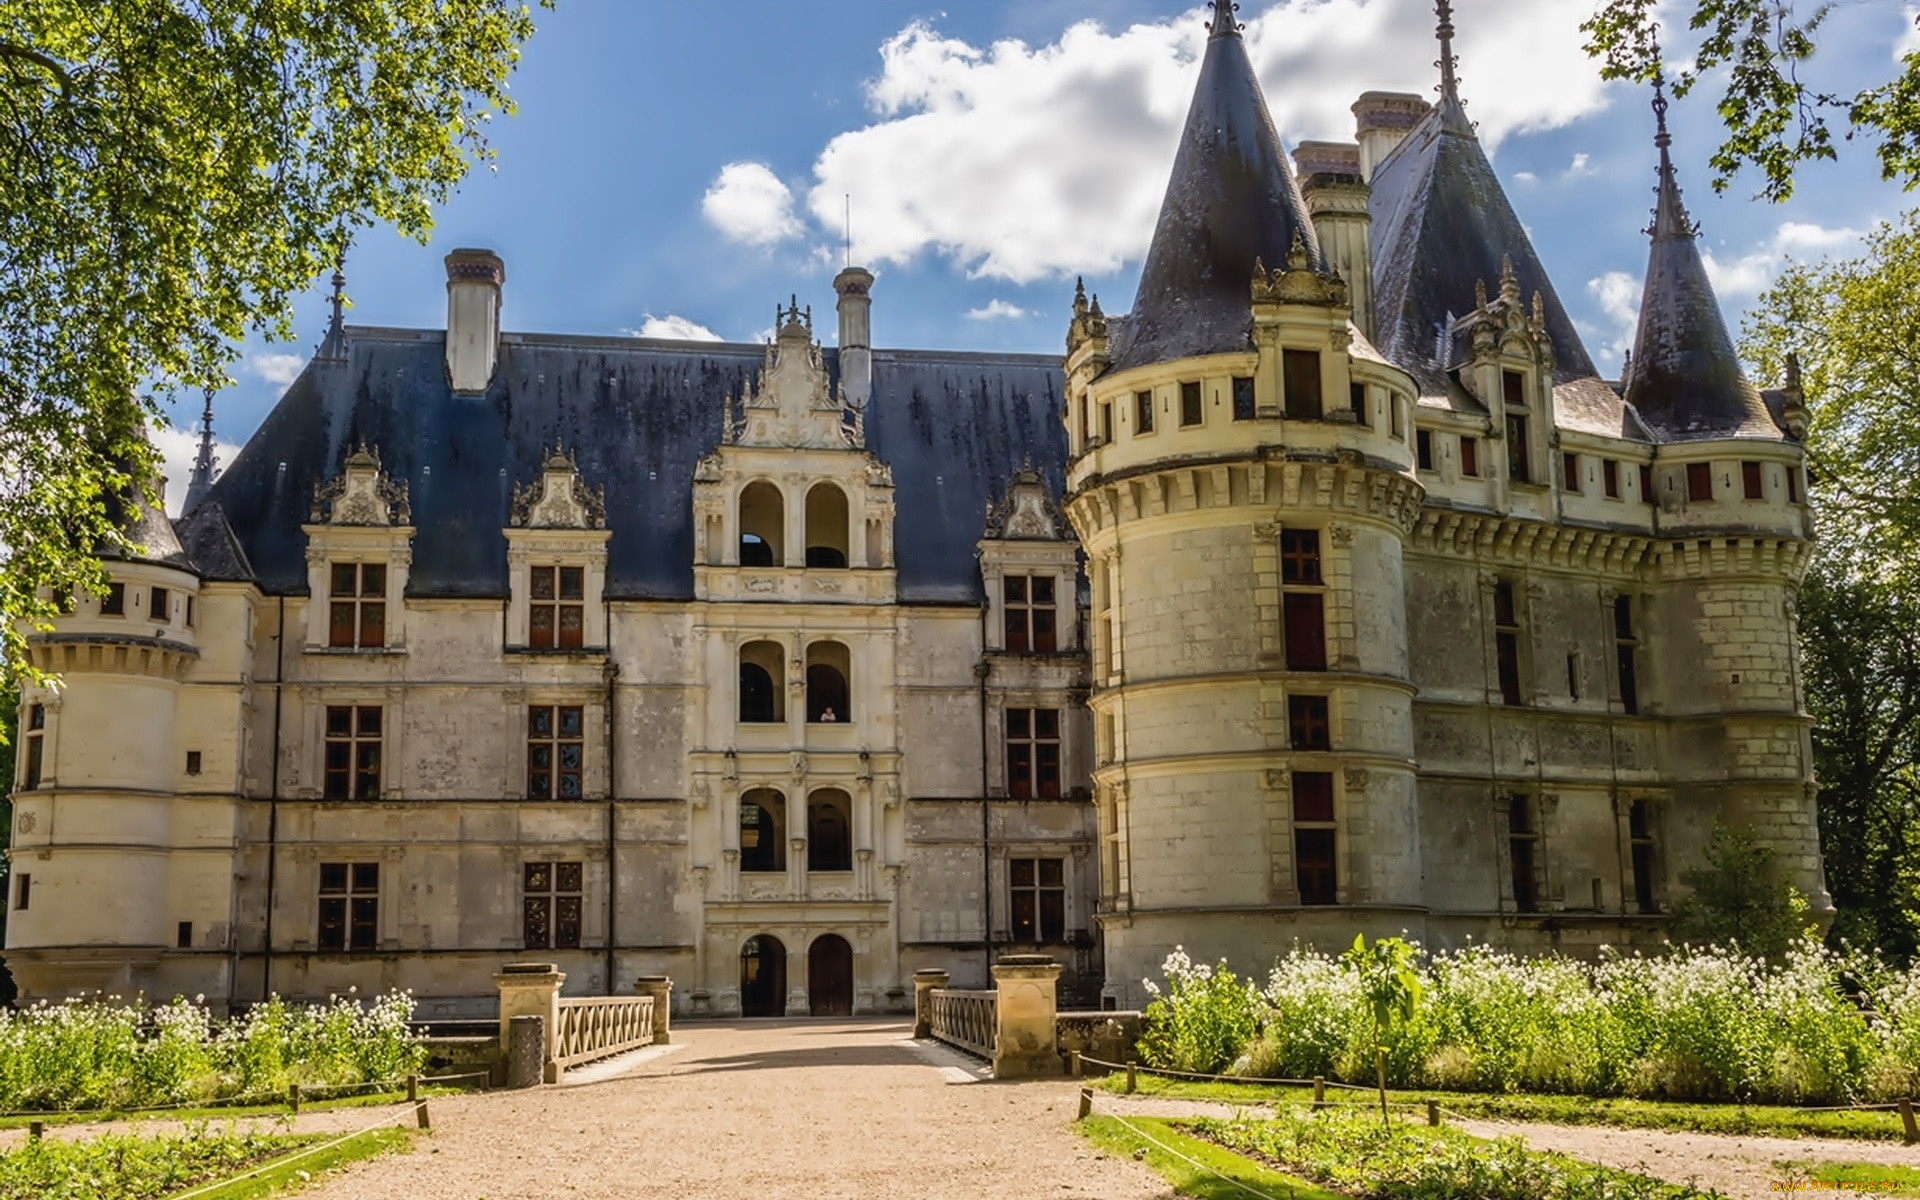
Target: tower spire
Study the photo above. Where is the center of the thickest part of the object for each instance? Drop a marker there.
(1449, 84)
(334, 345)
(1223, 23)
(201, 479)
(1669, 213)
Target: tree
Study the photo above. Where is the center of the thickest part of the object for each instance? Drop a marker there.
(1739, 896)
(1391, 984)
(171, 174)
(1774, 120)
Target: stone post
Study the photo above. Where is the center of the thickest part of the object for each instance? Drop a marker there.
(526, 1051)
(661, 989)
(924, 981)
(1026, 1044)
(530, 989)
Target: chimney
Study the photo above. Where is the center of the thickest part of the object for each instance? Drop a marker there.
(473, 318)
(1336, 197)
(1381, 120)
(856, 335)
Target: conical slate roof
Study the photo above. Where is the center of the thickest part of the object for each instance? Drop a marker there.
(1685, 379)
(1232, 198)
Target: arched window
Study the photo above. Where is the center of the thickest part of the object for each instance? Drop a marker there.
(762, 699)
(829, 666)
(826, 526)
(762, 517)
(763, 831)
(829, 831)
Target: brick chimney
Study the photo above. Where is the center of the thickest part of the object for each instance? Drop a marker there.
(1381, 121)
(473, 318)
(1336, 196)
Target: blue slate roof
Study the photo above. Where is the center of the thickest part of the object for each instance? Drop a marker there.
(638, 414)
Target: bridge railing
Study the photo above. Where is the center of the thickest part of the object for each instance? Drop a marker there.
(580, 1029)
(596, 1027)
(965, 1018)
(1012, 1024)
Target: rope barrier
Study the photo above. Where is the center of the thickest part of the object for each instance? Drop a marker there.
(307, 1091)
(274, 1164)
(1189, 1160)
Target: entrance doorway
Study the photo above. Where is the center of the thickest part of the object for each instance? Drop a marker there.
(830, 976)
(763, 977)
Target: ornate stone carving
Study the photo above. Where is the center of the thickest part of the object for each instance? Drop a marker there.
(361, 494)
(1027, 511)
(790, 405)
(559, 499)
(1298, 282)
(1357, 779)
(1342, 535)
(799, 764)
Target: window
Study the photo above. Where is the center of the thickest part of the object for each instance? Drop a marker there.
(193, 762)
(829, 668)
(1313, 837)
(1423, 449)
(1397, 419)
(1357, 401)
(353, 752)
(1039, 905)
(358, 612)
(828, 527)
(114, 603)
(1640, 843)
(1750, 481)
(1190, 404)
(763, 840)
(36, 748)
(1302, 604)
(830, 831)
(1626, 650)
(189, 612)
(1469, 457)
(763, 523)
(1307, 723)
(23, 893)
(157, 600)
(1143, 412)
(1030, 615)
(1033, 753)
(1519, 461)
(550, 906)
(1242, 398)
(183, 935)
(1301, 371)
(1522, 839)
(1106, 421)
(1793, 485)
(1506, 642)
(556, 617)
(556, 745)
(761, 699)
(1573, 675)
(1513, 388)
(1646, 484)
(349, 907)
(1570, 472)
(1699, 481)
(1610, 478)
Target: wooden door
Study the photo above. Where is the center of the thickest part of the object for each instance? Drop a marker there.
(830, 976)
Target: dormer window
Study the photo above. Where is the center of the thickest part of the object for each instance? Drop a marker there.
(1519, 462)
(1513, 386)
(556, 615)
(1301, 371)
(1031, 620)
(357, 606)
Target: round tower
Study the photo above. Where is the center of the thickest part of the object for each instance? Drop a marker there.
(1242, 481)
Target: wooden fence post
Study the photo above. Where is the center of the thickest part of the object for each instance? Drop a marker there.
(1073, 1063)
(413, 1089)
(1319, 1091)
(1433, 1112)
(420, 1110)
(38, 1129)
(1130, 1080)
(293, 1097)
(1911, 1129)
(1086, 1102)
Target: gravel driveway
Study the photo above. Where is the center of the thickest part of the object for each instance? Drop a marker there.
(765, 1109)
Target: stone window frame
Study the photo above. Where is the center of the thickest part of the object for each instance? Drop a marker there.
(35, 722)
(388, 546)
(349, 892)
(592, 703)
(528, 549)
(1075, 919)
(354, 739)
(1053, 558)
(1655, 810)
(1543, 807)
(315, 700)
(554, 894)
(1331, 824)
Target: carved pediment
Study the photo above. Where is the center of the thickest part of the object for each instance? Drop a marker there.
(1298, 282)
(361, 494)
(559, 499)
(1501, 326)
(1027, 511)
(790, 404)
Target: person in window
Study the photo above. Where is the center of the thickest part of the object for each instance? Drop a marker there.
(826, 715)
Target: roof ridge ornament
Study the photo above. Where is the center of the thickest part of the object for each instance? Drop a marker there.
(1223, 23)
(1449, 88)
(333, 347)
(1669, 210)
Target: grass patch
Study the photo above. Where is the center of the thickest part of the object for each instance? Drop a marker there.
(297, 1172)
(1110, 1135)
(217, 1112)
(1904, 1179)
(1553, 1110)
(123, 1167)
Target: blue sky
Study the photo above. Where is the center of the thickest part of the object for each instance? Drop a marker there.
(681, 166)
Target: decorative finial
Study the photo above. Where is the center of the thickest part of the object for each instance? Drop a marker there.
(1449, 85)
(1297, 253)
(334, 345)
(1080, 296)
(201, 478)
(1223, 23)
(1793, 371)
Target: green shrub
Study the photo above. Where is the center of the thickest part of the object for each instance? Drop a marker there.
(119, 1167)
(1203, 1021)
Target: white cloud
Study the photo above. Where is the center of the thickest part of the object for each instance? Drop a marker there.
(1909, 41)
(748, 203)
(277, 369)
(1581, 165)
(1618, 295)
(1024, 162)
(674, 328)
(1525, 177)
(996, 309)
(1747, 275)
(177, 449)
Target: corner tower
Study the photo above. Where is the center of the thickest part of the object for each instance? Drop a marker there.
(1241, 480)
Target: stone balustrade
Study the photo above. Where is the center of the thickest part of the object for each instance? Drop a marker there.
(581, 1029)
(1013, 1025)
(965, 1018)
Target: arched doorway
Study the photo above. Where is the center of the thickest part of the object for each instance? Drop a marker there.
(763, 977)
(830, 976)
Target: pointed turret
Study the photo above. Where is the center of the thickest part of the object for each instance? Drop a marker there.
(204, 462)
(1232, 199)
(1686, 381)
(333, 347)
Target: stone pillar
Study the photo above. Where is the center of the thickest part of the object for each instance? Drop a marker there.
(661, 989)
(1026, 1043)
(526, 1051)
(924, 981)
(530, 989)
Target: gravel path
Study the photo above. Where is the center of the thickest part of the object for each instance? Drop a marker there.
(815, 1109)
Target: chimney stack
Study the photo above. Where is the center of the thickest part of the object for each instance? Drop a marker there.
(856, 335)
(473, 318)
(1337, 202)
(1381, 121)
